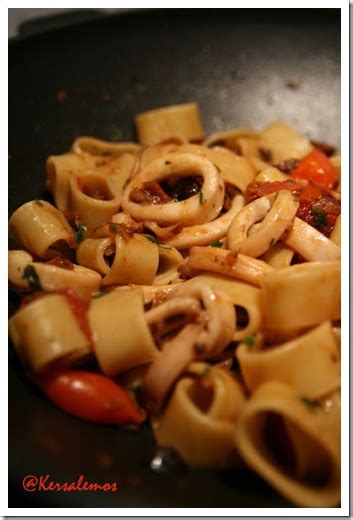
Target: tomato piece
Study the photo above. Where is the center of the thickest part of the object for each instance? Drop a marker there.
(318, 168)
(90, 396)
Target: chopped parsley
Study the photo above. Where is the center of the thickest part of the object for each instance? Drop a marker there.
(30, 274)
(216, 243)
(320, 219)
(207, 371)
(113, 228)
(138, 86)
(80, 234)
(250, 340)
(151, 238)
(201, 197)
(99, 294)
(309, 403)
(116, 133)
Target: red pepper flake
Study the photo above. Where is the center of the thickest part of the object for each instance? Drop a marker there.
(231, 259)
(62, 96)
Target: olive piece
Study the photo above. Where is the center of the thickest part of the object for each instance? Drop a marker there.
(184, 188)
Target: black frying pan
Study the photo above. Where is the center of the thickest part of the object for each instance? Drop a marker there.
(245, 67)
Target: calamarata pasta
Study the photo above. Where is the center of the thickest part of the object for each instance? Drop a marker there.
(193, 281)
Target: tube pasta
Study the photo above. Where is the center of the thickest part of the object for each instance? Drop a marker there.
(93, 253)
(59, 169)
(283, 142)
(93, 197)
(229, 138)
(51, 277)
(195, 210)
(313, 477)
(209, 405)
(41, 229)
(270, 174)
(181, 121)
(309, 363)
(122, 337)
(46, 335)
(310, 243)
(276, 213)
(301, 296)
(223, 261)
(98, 147)
(135, 261)
(169, 261)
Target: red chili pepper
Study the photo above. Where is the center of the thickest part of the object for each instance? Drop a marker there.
(318, 168)
(90, 396)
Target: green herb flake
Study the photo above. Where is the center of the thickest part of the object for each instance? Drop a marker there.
(116, 133)
(309, 403)
(149, 237)
(216, 243)
(201, 197)
(30, 274)
(99, 294)
(113, 228)
(138, 86)
(80, 234)
(134, 388)
(250, 340)
(207, 371)
(320, 219)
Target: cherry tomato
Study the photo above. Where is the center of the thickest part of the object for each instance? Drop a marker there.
(90, 396)
(318, 168)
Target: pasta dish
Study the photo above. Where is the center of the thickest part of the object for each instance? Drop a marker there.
(192, 281)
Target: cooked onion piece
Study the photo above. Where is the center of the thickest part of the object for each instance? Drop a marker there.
(310, 243)
(198, 420)
(283, 143)
(272, 214)
(94, 197)
(309, 363)
(46, 334)
(301, 296)
(122, 337)
(293, 443)
(98, 147)
(223, 261)
(204, 338)
(197, 209)
(51, 277)
(199, 235)
(41, 229)
(181, 121)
